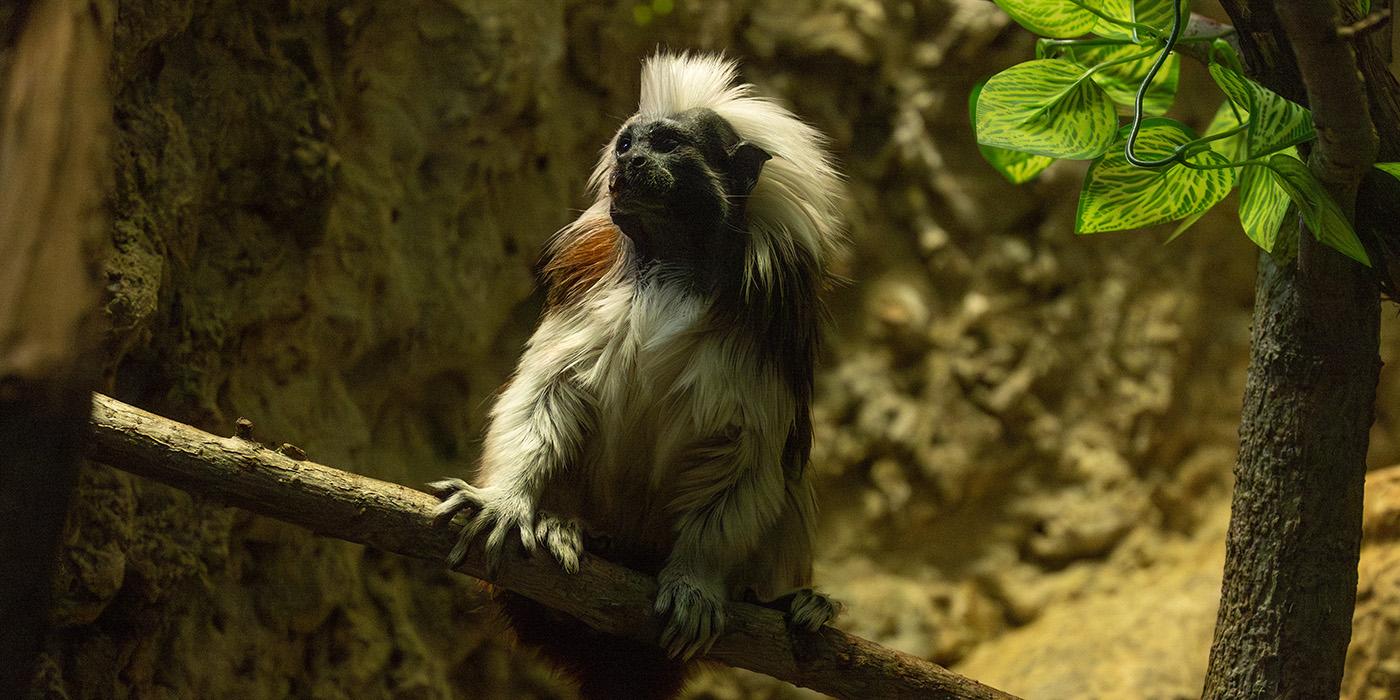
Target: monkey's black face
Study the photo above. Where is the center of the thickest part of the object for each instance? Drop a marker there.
(678, 187)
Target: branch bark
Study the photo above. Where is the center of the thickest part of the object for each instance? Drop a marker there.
(395, 518)
(1295, 524)
(54, 117)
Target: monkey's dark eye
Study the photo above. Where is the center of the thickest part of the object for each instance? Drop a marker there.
(664, 143)
(624, 143)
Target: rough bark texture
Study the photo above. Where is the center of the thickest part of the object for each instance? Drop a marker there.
(239, 472)
(54, 127)
(1295, 530)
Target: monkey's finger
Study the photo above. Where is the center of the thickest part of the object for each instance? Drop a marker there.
(715, 632)
(702, 634)
(686, 644)
(668, 637)
(563, 542)
(709, 645)
(470, 531)
(444, 487)
(527, 533)
(450, 506)
(680, 635)
(712, 623)
(496, 546)
(663, 601)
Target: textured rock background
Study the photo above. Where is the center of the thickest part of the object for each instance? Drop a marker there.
(327, 216)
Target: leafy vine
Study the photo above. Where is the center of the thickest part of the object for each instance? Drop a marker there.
(1097, 59)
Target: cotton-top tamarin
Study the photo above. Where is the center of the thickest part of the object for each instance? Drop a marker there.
(660, 412)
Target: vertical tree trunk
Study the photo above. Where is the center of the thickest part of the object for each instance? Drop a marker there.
(53, 132)
(1295, 522)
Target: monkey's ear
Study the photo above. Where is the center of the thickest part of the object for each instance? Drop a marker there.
(745, 163)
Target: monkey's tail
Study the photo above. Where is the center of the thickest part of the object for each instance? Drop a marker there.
(606, 667)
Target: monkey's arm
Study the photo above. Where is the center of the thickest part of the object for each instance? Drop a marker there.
(729, 492)
(537, 427)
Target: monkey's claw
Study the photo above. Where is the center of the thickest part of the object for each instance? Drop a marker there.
(498, 511)
(562, 538)
(694, 613)
(810, 610)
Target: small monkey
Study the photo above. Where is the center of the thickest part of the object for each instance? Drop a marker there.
(660, 412)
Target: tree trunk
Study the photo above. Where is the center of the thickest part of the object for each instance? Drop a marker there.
(1295, 525)
(53, 117)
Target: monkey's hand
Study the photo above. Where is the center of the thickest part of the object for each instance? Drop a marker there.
(498, 511)
(694, 610)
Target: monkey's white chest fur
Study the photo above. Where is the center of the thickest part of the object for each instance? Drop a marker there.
(660, 412)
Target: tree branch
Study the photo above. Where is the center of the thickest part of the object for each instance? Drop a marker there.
(1346, 138)
(395, 518)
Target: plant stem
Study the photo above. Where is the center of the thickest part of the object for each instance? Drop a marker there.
(1178, 23)
(1126, 24)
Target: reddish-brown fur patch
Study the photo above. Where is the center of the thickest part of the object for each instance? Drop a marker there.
(577, 267)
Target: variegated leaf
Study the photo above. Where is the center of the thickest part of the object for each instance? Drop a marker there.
(1231, 148)
(1320, 212)
(1263, 204)
(1015, 166)
(1119, 195)
(1184, 225)
(1274, 122)
(1153, 13)
(1046, 107)
(1122, 81)
(1391, 169)
(1061, 19)
(1227, 118)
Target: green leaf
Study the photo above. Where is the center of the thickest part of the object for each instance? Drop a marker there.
(1185, 224)
(1121, 81)
(1225, 119)
(1119, 195)
(1154, 13)
(1274, 122)
(1224, 53)
(1263, 204)
(1061, 19)
(1015, 166)
(1320, 212)
(1391, 169)
(1046, 107)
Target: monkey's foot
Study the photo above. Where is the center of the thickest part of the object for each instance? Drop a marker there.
(810, 610)
(497, 510)
(695, 614)
(803, 608)
(562, 538)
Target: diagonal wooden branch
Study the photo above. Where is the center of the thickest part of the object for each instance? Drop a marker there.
(395, 518)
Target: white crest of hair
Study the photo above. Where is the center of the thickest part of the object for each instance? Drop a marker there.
(797, 200)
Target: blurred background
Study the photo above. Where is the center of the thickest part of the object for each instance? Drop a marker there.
(327, 218)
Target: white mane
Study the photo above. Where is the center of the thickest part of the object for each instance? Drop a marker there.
(797, 199)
